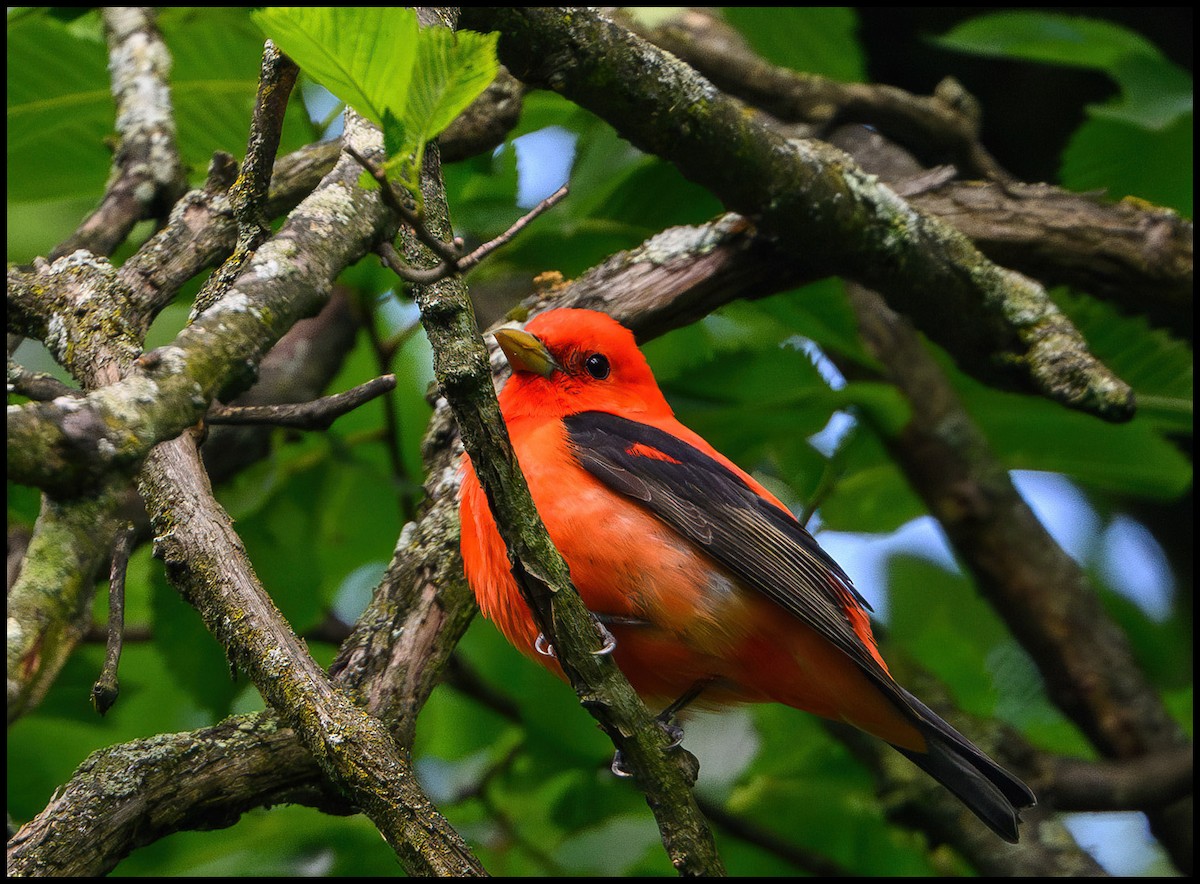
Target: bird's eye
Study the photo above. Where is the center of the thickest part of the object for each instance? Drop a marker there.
(597, 366)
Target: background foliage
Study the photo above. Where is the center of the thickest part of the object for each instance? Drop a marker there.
(529, 786)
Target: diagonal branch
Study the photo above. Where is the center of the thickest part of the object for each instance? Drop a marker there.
(463, 370)
(148, 176)
(1040, 592)
(393, 660)
(945, 122)
(997, 324)
(316, 414)
(207, 563)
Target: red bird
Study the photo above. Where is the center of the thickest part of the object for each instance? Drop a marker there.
(706, 581)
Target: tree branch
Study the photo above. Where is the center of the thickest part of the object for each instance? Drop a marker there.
(1147, 782)
(997, 324)
(206, 562)
(1138, 255)
(49, 606)
(148, 176)
(1040, 592)
(66, 447)
(248, 193)
(463, 371)
(316, 414)
(947, 122)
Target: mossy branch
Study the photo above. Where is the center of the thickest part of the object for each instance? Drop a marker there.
(464, 373)
(835, 217)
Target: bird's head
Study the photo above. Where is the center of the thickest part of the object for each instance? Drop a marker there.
(567, 361)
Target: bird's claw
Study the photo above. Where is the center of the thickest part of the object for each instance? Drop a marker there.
(610, 641)
(618, 766)
(674, 731)
(542, 644)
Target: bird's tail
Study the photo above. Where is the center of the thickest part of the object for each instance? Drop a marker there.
(992, 793)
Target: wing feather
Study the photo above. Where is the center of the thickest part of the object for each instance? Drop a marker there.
(765, 548)
(714, 507)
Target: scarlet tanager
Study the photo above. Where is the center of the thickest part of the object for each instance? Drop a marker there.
(705, 580)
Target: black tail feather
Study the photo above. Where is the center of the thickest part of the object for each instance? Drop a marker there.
(992, 793)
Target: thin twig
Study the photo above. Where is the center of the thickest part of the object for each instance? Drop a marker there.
(468, 262)
(1153, 780)
(105, 690)
(248, 196)
(447, 252)
(37, 385)
(249, 192)
(318, 414)
(452, 260)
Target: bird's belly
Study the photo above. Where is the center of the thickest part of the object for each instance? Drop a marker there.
(676, 615)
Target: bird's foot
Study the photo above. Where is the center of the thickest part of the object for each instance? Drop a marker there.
(674, 731)
(542, 644)
(610, 640)
(618, 765)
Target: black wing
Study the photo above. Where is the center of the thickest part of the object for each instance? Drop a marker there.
(713, 507)
(765, 548)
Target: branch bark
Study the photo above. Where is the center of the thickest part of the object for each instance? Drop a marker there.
(465, 378)
(996, 323)
(147, 173)
(394, 658)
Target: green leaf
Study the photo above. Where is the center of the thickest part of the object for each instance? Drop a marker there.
(216, 55)
(60, 110)
(453, 69)
(60, 106)
(954, 634)
(287, 841)
(192, 655)
(610, 848)
(813, 39)
(807, 788)
(872, 499)
(1046, 37)
(1035, 434)
(928, 607)
(1155, 93)
(363, 55)
(820, 312)
(1127, 160)
(1158, 366)
(1134, 458)
(483, 191)
(882, 402)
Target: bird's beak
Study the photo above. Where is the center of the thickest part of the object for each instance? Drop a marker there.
(525, 352)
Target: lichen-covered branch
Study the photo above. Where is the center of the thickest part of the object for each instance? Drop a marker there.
(464, 374)
(49, 606)
(835, 217)
(1138, 254)
(63, 447)
(132, 794)
(249, 191)
(148, 176)
(393, 660)
(391, 663)
(947, 122)
(206, 562)
(1032, 584)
